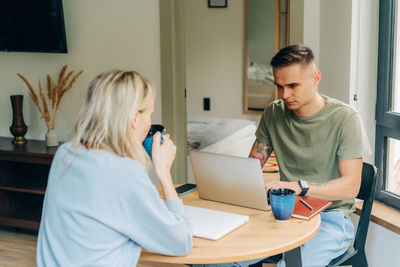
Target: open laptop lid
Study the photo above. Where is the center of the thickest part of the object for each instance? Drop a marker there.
(229, 179)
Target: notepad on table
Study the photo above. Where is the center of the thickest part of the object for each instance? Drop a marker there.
(213, 224)
(301, 211)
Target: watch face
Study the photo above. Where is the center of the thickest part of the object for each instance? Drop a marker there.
(304, 184)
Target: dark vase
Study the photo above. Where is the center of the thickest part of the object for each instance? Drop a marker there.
(18, 128)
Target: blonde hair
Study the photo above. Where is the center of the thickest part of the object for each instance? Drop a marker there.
(105, 120)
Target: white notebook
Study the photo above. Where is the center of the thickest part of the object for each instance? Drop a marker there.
(212, 224)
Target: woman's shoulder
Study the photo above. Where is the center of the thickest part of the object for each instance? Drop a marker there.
(100, 161)
(120, 167)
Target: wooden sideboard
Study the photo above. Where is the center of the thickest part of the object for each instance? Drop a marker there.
(23, 178)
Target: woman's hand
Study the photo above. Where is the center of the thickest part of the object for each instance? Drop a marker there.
(163, 154)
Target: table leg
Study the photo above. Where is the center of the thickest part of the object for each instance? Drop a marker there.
(293, 258)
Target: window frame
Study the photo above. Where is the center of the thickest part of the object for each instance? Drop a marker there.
(387, 122)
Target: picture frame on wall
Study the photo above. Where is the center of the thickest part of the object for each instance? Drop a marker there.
(217, 3)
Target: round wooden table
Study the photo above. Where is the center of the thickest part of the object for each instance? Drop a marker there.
(261, 237)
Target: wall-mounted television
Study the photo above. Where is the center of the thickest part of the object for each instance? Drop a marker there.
(32, 26)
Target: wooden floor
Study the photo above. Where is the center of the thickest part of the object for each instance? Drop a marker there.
(19, 250)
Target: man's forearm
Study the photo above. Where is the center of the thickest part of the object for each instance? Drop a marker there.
(344, 187)
(260, 151)
(336, 189)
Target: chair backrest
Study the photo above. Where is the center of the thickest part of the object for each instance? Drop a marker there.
(367, 194)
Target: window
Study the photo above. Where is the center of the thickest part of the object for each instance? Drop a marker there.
(387, 155)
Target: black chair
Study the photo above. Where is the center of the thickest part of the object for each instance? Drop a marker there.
(355, 255)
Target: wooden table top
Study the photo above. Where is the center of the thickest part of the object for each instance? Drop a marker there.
(261, 237)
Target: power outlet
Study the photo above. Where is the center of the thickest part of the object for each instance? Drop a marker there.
(206, 103)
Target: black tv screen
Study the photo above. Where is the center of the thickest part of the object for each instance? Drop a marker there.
(32, 26)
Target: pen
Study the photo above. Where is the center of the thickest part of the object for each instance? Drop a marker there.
(306, 204)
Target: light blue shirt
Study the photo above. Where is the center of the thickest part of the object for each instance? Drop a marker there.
(101, 209)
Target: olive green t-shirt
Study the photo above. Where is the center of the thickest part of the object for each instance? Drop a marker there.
(310, 148)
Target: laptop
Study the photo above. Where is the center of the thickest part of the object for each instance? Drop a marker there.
(229, 179)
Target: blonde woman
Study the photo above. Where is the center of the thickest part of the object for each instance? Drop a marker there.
(100, 206)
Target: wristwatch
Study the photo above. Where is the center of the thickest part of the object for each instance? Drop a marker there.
(304, 187)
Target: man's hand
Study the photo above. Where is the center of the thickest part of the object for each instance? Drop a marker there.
(281, 184)
(260, 151)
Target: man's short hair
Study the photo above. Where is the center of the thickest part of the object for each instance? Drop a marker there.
(291, 55)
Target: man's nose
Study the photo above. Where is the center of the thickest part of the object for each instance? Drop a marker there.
(285, 93)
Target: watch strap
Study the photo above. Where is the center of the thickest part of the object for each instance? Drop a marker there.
(304, 190)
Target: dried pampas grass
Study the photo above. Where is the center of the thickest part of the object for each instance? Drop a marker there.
(55, 92)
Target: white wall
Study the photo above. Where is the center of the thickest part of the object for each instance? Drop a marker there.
(101, 35)
(311, 34)
(368, 67)
(335, 42)
(214, 59)
(381, 247)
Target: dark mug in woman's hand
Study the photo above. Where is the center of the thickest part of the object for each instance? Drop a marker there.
(148, 141)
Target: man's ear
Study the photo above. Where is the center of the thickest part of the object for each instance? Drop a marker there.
(317, 76)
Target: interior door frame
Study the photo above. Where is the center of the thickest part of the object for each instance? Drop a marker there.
(173, 82)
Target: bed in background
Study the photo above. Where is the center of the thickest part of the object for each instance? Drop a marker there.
(220, 135)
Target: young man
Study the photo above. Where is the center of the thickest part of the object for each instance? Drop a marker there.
(319, 143)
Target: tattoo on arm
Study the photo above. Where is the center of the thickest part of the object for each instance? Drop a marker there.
(260, 151)
(319, 184)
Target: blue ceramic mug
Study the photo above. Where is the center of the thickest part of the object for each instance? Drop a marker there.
(282, 203)
(148, 141)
